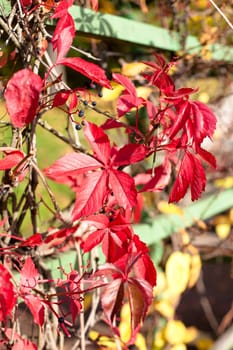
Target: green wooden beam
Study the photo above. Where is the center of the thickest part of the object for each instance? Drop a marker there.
(96, 24)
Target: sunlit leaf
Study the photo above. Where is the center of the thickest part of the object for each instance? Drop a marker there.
(175, 332)
(133, 68)
(178, 271)
(195, 269)
(169, 208)
(165, 308)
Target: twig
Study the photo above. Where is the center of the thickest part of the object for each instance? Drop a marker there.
(225, 341)
(207, 308)
(51, 195)
(46, 126)
(222, 14)
(80, 344)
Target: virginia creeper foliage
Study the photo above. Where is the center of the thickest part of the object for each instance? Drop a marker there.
(107, 191)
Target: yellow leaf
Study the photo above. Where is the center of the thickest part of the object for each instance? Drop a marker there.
(140, 342)
(143, 91)
(179, 347)
(112, 95)
(165, 308)
(169, 208)
(226, 182)
(124, 326)
(159, 340)
(231, 215)
(175, 332)
(191, 334)
(185, 237)
(204, 97)
(195, 269)
(223, 230)
(177, 271)
(161, 283)
(133, 68)
(222, 219)
(222, 225)
(204, 344)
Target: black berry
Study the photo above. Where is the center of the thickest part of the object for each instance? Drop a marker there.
(78, 127)
(81, 113)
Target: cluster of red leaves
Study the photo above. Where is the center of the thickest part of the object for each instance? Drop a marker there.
(106, 193)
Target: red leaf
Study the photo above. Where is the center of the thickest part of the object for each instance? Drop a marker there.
(95, 4)
(20, 343)
(182, 117)
(111, 299)
(36, 307)
(72, 164)
(127, 83)
(143, 267)
(62, 8)
(99, 142)
(29, 276)
(160, 180)
(24, 344)
(207, 156)
(140, 294)
(123, 188)
(26, 3)
(204, 121)
(63, 35)
(61, 97)
(130, 154)
(32, 241)
(22, 97)
(12, 158)
(89, 69)
(7, 295)
(191, 173)
(90, 198)
(126, 102)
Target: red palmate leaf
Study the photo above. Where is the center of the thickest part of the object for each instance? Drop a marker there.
(62, 8)
(32, 241)
(95, 4)
(191, 173)
(89, 69)
(196, 120)
(36, 307)
(19, 342)
(127, 83)
(24, 344)
(72, 164)
(29, 276)
(7, 294)
(123, 188)
(130, 154)
(140, 294)
(160, 180)
(63, 35)
(112, 234)
(22, 97)
(129, 99)
(91, 197)
(99, 142)
(126, 102)
(138, 291)
(207, 156)
(12, 158)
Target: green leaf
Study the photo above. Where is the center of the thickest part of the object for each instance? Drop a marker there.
(5, 8)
